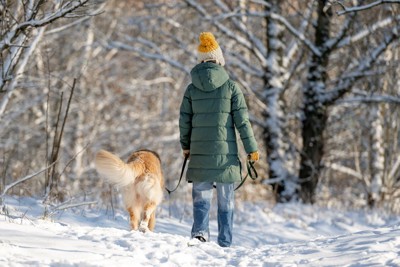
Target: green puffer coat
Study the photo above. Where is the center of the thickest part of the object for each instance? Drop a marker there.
(213, 105)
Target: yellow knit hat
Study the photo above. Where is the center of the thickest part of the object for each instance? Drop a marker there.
(209, 49)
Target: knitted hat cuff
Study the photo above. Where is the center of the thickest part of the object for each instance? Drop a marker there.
(209, 49)
(215, 54)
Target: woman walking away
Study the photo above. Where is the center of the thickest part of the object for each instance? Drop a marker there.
(212, 106)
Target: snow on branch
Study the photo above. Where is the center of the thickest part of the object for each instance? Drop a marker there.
(332, 43)
(366, 32)
(19, 69)
(8, 187)
(263, 3)
(395, 168)
(296, 33)
(68, 8)
(363, 7)
(231, 34)
(371, 99)
(243, 63)
(156, 56)
(63, 11)
(294, 46)
(344, 169)
(242, 27)
(68, 205)
(345, 84)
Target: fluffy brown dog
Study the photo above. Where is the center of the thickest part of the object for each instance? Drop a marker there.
(141, 181)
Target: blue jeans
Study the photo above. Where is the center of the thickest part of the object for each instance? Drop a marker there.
(202, 193)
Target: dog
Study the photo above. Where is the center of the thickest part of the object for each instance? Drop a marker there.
(141, 180)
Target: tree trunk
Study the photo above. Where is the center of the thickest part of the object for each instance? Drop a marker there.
(313, 145)
(377, 157)
(274, 115)
(314, 110)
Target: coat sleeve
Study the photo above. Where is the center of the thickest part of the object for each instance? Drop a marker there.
(185, 120)
(241, 120)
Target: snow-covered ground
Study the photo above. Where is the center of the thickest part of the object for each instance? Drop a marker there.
(284, 235)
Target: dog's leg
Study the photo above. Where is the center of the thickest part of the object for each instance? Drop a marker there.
(152, 221)
(149, 209)
(133, 219)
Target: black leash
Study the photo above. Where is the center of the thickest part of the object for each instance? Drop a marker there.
(180, 179)
(251, 171)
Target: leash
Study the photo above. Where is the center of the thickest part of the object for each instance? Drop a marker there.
(180, 178)
(251, 172)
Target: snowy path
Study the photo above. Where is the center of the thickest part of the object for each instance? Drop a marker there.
(291, 235)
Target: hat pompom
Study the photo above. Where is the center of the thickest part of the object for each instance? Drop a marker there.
(207, 42)
(209, 49)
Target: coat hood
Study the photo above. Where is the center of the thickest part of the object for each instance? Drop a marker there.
(208, 76)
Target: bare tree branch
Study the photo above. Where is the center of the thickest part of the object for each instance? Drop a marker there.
(371, 99)
(64, 10)
(363, 7)
(8, 187)
(367, 32)
(297, 34)
(345, 84)
(155, 56)
(231, 34)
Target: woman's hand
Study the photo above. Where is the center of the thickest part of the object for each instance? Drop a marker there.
(253, 156)
(186, 153)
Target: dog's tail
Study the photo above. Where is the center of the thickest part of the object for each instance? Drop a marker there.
(114, 169)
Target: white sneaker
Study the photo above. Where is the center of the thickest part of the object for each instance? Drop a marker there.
(197, 240)
(200, 238)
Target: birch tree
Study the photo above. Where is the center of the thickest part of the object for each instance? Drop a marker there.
(377, 157)
(383, 183)
(283, 60)
(317, 97)
(19, 38)
(272, 64)
(23, 28)
(305, 70)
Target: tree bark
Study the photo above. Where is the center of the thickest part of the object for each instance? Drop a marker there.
(377, 157)
(276, 145)
(314, 110)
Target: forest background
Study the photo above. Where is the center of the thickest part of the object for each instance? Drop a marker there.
(321, 80)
